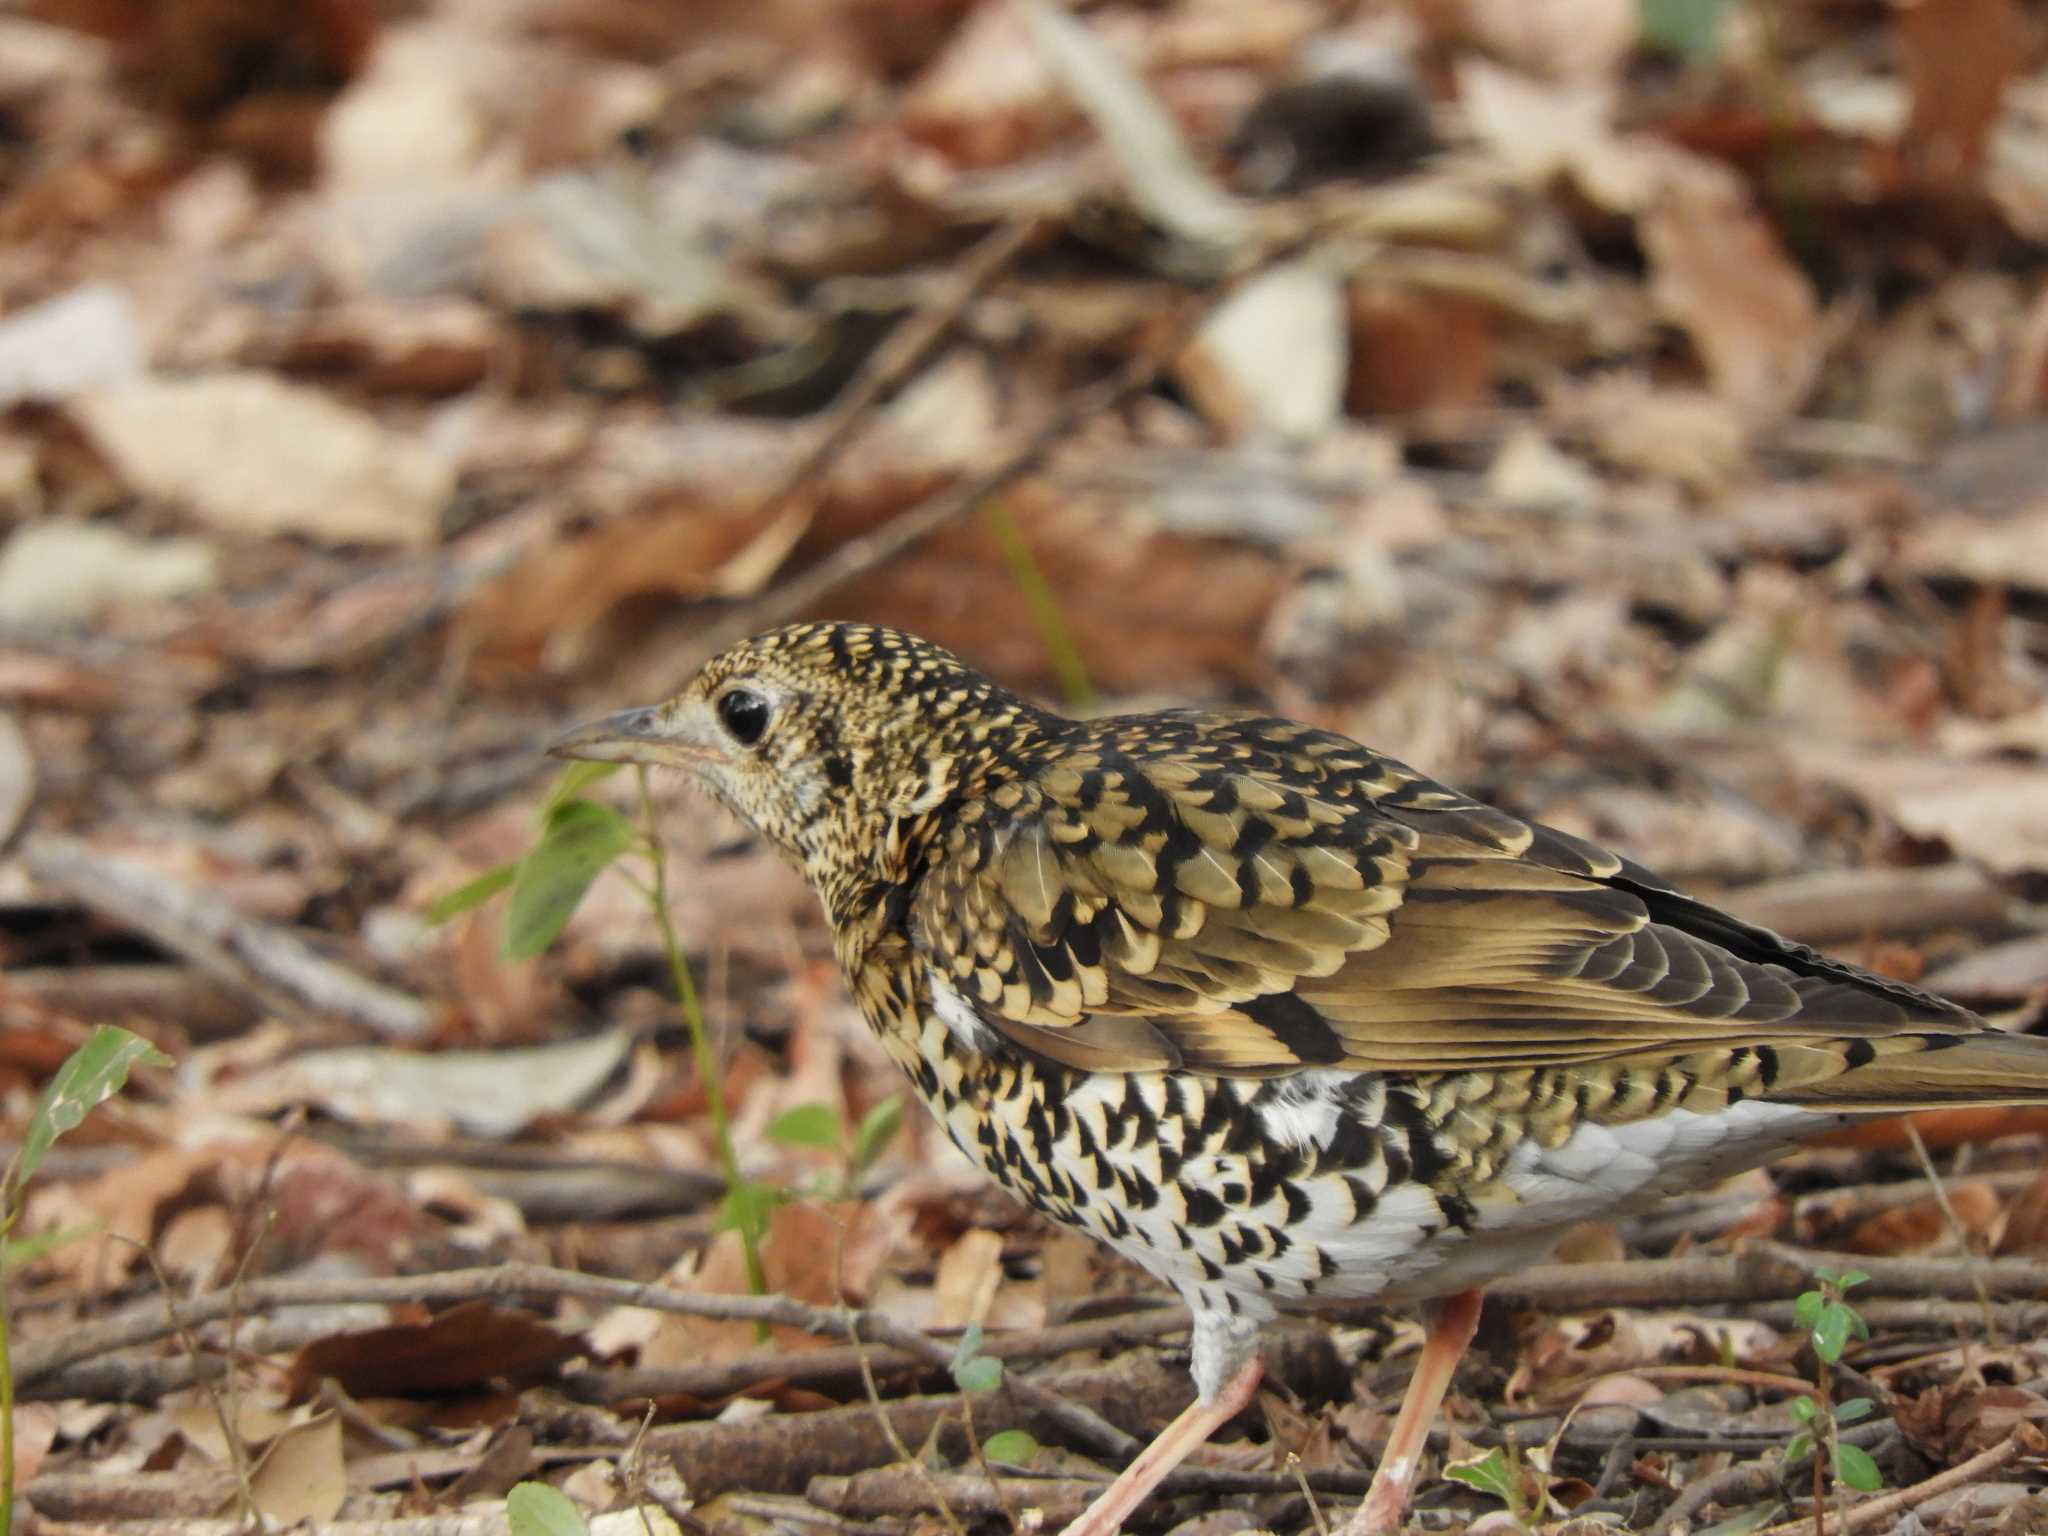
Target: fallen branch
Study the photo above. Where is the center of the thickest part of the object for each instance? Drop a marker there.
(1760, 1273)
(821, 1367)
(276, 967)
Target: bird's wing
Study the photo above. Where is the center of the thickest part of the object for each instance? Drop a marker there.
(1255, 896)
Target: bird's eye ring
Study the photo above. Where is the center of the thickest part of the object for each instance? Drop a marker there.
(744, 714)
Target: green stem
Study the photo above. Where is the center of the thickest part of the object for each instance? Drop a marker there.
(1042, 604)
(11, 1206)
(700, 1048)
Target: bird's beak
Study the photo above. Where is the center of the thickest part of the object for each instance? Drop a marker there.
(662, 738)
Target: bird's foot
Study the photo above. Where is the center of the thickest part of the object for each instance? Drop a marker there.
(1105, 1517)
(1386, 1502)
(1452, 1322)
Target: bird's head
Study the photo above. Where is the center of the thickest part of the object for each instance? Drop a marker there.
(824, 737)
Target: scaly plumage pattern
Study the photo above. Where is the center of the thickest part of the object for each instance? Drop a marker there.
(1278, 1017)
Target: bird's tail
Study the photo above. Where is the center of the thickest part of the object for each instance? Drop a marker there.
(1907, 1072)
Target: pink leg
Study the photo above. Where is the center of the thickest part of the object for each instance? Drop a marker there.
(1452, 1322)
(1105, 1517)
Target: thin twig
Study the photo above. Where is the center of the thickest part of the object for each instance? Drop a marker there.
(1869, 1513)
(860, 555)
(906, 350)
(1955, 1226)
(269, 962)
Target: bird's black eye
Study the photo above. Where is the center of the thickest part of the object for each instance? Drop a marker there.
(744, 714)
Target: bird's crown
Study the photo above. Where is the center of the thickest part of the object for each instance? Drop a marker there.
(826, 737)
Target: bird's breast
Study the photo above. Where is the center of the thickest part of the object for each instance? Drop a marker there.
(1258, 1196)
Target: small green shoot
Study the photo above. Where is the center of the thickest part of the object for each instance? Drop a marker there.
(1689, 28)
(1043, 604)
(1012, 1447)
(579, 839)
(817, 1125)
(877, 1128)
(977, 1375)
(973, 1372)
(90, 1075)
(538, 1509)
(807, 1125)
(1830, 1322)
(1499, 1474)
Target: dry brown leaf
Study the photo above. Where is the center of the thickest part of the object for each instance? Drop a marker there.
(825, 1253)
(2009, 551)
(1413, 353)
(465, 1348)
(1939, 1128)
(1573, 40)
(1923, 1226)
(989, 97)
(1952, 1423)
(1719, 271)
(300, 1476)
(59, 571)
(487, 1093)
(2024, 1228)
(968, 1274)
(546, 612)
(1571, 1351)
(1994, 813)
(35, 1431)
(248, 454)
(1957, 56)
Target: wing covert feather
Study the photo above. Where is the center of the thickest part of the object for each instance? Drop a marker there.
(1259, 896)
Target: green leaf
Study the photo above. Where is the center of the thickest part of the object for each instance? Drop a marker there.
(1849, 1279)
(1489, 1474)
(91, 1075)
(580, 839)
(572, 781)
(1806, 1310)
(465, 898)
(967, 1346)
(1861, 1328)
(1013, 1447)
(17, 1251)
(1689, 28)
(1831, 1332)
(807, 1125)
(1797, 1447)
(1854, 1409)
(1803, 1409)
(535, 1509)
(1854, 1467)
(746, 1206)
(878, 1127)
(983, 1373)
(1829, 1277)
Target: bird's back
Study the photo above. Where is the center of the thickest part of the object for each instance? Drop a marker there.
(1287, 1021)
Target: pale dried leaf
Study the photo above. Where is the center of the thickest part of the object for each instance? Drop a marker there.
(58, 571)
(248, 454)
(1993, 812)
(1162, 175)
(88, 338)
(301, 1475)
(1718, 270)
(486, 1093)
(1271, 359)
